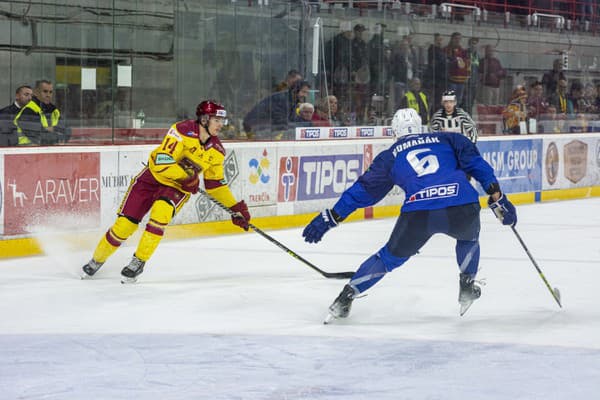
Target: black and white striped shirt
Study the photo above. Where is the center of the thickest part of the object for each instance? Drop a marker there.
(458, 121)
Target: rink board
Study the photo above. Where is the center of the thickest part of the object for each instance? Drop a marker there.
(76, 190)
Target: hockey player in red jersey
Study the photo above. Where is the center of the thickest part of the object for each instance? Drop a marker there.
(189, 148)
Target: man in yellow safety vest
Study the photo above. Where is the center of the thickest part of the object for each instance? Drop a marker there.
(417, 100)
(39, 121)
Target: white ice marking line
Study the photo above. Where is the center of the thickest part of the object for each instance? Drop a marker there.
(505, 178)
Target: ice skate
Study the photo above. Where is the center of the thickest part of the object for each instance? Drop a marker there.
(341, 306)
(130, 273)
(469, 292)
(89, 269)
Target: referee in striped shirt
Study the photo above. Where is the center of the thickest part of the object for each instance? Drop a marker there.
(451, 118)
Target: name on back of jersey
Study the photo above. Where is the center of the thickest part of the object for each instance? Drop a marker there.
(434, 192)
(408, 143)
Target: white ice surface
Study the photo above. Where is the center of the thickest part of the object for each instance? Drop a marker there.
(237, 318)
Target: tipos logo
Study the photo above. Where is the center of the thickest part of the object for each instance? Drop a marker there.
(551, 163)
(575, 160)
(338, 132)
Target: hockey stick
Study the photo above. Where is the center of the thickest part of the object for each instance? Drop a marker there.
(331, 275)
(555, 292)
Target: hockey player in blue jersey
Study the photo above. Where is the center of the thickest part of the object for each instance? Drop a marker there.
(432, 170)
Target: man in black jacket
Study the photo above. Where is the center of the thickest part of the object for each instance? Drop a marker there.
(8, 131)
(39, 122)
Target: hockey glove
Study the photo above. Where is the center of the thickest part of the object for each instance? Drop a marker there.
(190, 184)
(504, 210)
(241, 216)
(323, 222)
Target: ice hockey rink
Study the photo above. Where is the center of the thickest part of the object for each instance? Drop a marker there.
(235, 317)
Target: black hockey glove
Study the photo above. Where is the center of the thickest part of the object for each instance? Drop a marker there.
(323, 222)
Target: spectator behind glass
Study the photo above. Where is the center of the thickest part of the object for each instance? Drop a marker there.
(537, 105)
(558, 99)
(515, 113)
(326, 112)
(338, 61)
(472, 84)
(361, 75)
(589, 95)
(417, 100)
(492, 74)
(8, 131)
(459, 66)
(402, 69)
(39, 122)
(551, 78)
(576, 103)
(378, 65)
(577, 108)
(291, 78)
(303, 115)
(436, 73)
(269, 118)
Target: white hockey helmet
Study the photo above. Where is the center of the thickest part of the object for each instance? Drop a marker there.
(406, 121)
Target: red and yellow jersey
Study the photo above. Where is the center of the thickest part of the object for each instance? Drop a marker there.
(181, 151)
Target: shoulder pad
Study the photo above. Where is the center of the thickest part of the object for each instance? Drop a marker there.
(214, 142)
(188, 128)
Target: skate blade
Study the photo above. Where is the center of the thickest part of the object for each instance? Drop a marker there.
(465, 306)
(127, 280)
(83, 275)
(329, 319)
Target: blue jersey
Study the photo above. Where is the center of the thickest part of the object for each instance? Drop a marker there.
(431, 169)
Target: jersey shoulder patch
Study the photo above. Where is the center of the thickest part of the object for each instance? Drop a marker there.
(188, 128)
(174, 134)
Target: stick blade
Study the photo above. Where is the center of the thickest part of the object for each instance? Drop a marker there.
(557, 296)
(338, 275)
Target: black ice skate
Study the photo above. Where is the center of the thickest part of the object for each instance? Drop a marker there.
(342, 305)
(469, 292)
(130, 273)
(90, 269)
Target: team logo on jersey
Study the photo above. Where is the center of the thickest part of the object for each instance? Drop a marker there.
(435, 192)
(366, 132)
(338, 132)
(551, 163)
(310, 133)
(162, 159)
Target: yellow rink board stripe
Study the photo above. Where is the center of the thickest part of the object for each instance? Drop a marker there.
(22, 247)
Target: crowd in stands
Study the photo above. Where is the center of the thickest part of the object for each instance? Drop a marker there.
(365, 77)
(369, 80)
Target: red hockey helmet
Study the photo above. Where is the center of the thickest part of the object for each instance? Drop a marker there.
(210, 108)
